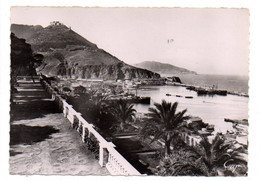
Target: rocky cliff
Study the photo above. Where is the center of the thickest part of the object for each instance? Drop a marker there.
(68, 54)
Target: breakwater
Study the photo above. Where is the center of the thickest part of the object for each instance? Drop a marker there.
(208, 91)
(231, 83)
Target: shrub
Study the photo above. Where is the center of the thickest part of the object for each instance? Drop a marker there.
(80, 90)
(80, 129)
(92, 144)
(75, 123)
(86, 135)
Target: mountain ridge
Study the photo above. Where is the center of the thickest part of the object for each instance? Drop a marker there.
(163, 68)
(68, 54)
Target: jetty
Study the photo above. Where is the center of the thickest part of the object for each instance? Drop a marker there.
(201, 91)
(204, 91)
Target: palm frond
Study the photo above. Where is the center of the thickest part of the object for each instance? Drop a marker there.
(167, 121)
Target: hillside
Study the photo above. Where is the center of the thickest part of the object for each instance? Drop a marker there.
(163, 68)
(68, 54)
(51, 37)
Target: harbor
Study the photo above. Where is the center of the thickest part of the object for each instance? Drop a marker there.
(212, 106)
(212, 110)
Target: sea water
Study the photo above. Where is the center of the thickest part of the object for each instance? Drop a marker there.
(227, 82)
(212, 109)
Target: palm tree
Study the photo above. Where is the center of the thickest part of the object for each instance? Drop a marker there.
(97, 107)
(209, 159)
(218, 154)
(180, 162)
(164, 122)
(124, 112)
(99, 113)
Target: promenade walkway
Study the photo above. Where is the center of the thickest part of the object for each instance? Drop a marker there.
(42, 140)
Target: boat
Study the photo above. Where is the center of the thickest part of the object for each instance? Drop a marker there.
(243, 121)
(189, 97)
(210, 127)
(201, 91)
(219, 92)
(191, 88)
(231, 135)
(210, 91)
(142, 100)
(204, 132)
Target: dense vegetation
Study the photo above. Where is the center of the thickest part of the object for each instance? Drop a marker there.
(211, 157)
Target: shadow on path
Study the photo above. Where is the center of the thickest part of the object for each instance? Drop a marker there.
(21, 134)
(32, 110)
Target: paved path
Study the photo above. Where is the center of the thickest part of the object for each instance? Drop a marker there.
(42, 142)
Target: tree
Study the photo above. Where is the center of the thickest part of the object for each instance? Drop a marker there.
(180, 162)
(216, 156)
(209, 159)
(120, 73)
(123, 111)
(99, 113)
(21, 57)
(164, 122)
(80, 90)
(23, 63)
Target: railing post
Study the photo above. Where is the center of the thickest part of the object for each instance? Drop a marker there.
(65, 111)
(103, 153)
(52, 97)
(83, 133)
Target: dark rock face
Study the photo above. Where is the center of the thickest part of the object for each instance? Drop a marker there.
(69, 55)
(105, 72)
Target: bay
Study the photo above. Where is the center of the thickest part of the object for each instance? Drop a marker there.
(212, 110)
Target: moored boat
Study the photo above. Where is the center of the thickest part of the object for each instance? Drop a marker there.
(189, 97)
(243, 121)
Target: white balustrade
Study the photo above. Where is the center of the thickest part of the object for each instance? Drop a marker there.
(108, 155)
(118, 165)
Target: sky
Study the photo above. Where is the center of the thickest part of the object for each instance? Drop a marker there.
(208, 41)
